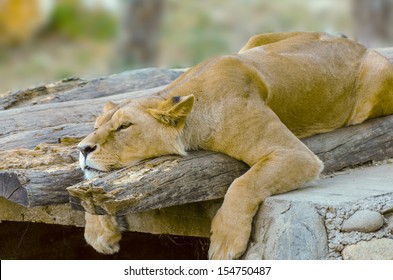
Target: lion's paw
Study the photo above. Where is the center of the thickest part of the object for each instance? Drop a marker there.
(104, 242)
(102, 234)
(229, 237)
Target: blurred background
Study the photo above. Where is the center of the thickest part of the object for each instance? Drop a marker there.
(42, 41)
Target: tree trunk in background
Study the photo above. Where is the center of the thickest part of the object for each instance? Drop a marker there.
(373, 21)
(139, 33)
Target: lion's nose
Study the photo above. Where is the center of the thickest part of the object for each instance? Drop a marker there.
(87, 149)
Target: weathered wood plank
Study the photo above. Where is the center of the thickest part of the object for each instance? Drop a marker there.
(39, 177)
(29, 126)
(11, 188)
(28, 96)
(159, 183)
(39, 188)
(72, 89)
(354, 145)
(64, 111)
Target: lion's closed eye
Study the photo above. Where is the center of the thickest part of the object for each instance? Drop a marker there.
(124, 126)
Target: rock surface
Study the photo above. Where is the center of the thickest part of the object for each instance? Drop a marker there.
(363, 221)
(298, 234)
(308, 223)
(389, 220)
(375, 249)
(289, 231)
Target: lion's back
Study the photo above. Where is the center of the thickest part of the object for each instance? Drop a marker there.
(310, 83)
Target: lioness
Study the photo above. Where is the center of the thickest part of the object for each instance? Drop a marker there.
(253, 106)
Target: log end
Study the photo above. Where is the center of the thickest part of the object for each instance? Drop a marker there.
(85, 197)
(11, 188)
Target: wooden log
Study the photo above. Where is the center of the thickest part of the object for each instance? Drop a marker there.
(158, 183)
(31, 188)
(47, 123)
(354, 145)
(30, 126)
(39, 177)
(74, 88)
(56, 117)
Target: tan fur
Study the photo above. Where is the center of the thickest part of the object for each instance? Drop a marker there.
(253, 106)
(102, 233)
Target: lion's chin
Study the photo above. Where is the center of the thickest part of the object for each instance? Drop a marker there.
(91, 173)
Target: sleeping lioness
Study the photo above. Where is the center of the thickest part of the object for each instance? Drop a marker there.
(253, 106)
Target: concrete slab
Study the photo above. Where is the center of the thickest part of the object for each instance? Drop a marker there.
(321, 220)
(347, 186)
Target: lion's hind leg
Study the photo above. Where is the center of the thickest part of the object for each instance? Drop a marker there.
(267, 38)
(374, 89)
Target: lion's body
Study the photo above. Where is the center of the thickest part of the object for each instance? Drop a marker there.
(253, 106)
(310, 81)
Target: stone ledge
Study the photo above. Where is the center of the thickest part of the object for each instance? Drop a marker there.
(188, 220)
(308, 223)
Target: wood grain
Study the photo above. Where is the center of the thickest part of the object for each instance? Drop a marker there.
(159, 183)
(75, 88)
(354, 145)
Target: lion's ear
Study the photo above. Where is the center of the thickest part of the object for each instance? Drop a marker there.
(175, 110)
(109, 106)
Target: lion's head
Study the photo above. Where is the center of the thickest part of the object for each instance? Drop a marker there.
(134, 130)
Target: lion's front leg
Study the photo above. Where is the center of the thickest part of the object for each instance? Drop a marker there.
(230, 233)
(278, 172)
(103, 232)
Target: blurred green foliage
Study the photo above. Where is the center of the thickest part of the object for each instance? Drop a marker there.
(194, 36)
(71, 19)
(195, 30)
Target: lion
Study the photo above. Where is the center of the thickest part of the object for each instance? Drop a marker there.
(254, 106)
